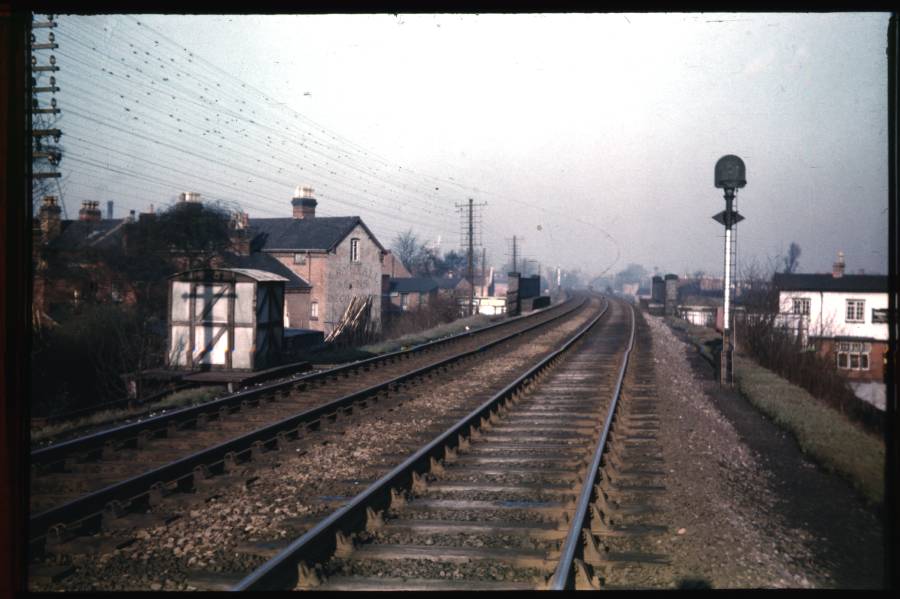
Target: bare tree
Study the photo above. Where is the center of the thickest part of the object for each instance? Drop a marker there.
(408, 249)
(791, 261)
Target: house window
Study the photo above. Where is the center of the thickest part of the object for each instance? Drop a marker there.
(314, 311)
(801, 305)
(853, 355)
(354, 250)
(856, 310)
(404, 301)
(299, 258)
(879, 316)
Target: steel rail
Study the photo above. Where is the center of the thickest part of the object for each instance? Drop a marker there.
(320, 542)
(564, 576)
(97, 441)
(217, 457)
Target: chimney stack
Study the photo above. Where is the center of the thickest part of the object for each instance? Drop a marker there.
(837, 269)
(304, 203)
(238, 233)
(109, 209)
(49, 217)
(90, 211)
(189, 196)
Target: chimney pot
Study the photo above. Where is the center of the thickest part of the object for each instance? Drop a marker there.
(837, 269)
(49, 217)
(90, 211)
(304, 203)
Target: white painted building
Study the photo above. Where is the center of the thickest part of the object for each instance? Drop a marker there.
(842, 315)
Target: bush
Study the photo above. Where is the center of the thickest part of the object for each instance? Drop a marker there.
(779, 350)
(79, 364)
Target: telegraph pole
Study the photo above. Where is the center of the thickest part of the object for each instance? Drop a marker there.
(515, 253)
(45, 155)
(484, 269)
(471, 260)
(470, 230)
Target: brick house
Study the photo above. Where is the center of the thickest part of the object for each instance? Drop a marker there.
(338, 257)
(68, 270)
(411, 293)
(844, 316)
(393, 268)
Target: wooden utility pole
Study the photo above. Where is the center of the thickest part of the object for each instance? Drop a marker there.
(471, 260)
(469, 222)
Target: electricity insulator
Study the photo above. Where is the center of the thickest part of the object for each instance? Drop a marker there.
(52, 81)
(51, 37)
(33, 39)
(53, 102)
(56, 138)
(52, 59)
(34, 61)
(34, 82)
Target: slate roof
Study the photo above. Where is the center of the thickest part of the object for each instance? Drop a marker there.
(267, 263)
(413, 285)
(826, 282)
(702, 300)
(81, 234)
(449, 283)
(319, 233)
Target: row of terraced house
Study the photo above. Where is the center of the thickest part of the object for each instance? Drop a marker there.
(326, 262)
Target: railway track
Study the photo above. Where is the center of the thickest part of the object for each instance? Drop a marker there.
(521, 493)
(108, 460)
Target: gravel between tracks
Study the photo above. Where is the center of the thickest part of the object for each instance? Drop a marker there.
(206, 537)
(724, 530)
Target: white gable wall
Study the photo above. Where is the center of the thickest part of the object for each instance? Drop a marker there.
(828, 310)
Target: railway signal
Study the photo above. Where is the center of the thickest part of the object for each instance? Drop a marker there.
(730, 175)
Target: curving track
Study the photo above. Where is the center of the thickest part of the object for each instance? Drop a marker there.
(510, 497)
(547, 481)
(137, 465)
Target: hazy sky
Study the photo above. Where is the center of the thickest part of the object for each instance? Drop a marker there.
(591, 136)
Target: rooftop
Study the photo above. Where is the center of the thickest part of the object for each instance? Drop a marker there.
(319, 233)
(827, 282)
(413, 285)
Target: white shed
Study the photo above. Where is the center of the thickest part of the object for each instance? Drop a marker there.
(225, 319)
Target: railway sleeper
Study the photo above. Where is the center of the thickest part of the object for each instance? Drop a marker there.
(519, 557)
(545, 474)
(213, 581)
(379, 583)
(604, 524)
(598, 554)
(615, 469)
(546, 531)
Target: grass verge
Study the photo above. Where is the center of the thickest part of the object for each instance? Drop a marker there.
(825, 435)
(178, 399)
(445, 330)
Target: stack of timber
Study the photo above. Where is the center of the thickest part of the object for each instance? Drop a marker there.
(356, 326)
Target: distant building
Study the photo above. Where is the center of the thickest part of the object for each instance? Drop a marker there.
(338, 257)
(411, 293)
(392, 267)
(840, 315)
(68, 266)
(699, 310)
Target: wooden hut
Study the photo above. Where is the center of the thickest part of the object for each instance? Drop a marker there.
(225, 319)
